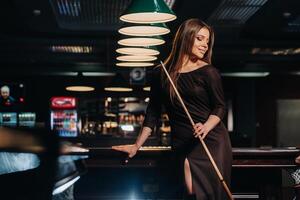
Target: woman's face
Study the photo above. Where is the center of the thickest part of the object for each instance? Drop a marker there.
(201, 43)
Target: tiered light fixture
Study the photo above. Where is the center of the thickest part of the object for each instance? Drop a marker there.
(147, 18)
(138, 51)
(146, 23)
(135, 64)
(145, 30)
(141, 41)
(148, 11)
(137, 58)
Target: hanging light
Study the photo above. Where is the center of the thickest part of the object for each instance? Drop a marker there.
(145, 30)
(135, 64)
(80, 88)
(141, 41)
(138, 51)
(148, 11)
(118, 84)
(98, 74)
(118, 89)
(137, 58)
(147, 88)
(245, 74)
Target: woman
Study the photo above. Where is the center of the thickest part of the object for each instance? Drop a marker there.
(199, 84)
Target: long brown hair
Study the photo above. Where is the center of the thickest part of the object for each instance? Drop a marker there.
(183, 45)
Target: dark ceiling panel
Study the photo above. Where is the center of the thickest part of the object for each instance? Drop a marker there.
(88, 14)
(277, 20)
(234, 12)
(87, 29)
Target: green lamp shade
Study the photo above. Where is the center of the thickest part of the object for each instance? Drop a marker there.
(135, 64)
(148, 11)
(141, 41)
(145, 30)
(138, 51)
(137, 58)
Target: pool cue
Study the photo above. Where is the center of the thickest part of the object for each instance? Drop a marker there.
(200, 138)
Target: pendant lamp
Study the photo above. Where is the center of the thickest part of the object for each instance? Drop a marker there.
(80, 88)
(138, 51)
(141, 41)
(145, 30)
(136, 58)
(118, 84)
(148, 11)
(135, 64)
(148, 88)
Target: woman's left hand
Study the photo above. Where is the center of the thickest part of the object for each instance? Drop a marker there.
(201, 130)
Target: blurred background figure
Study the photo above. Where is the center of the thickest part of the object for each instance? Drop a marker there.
(5, 98)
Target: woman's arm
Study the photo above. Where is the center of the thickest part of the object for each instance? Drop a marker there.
(203, 129)
(143, 136)
(131, 149)
(152, 115)
(216, 96)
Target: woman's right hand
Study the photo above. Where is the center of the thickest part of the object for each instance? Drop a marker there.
(130, 149)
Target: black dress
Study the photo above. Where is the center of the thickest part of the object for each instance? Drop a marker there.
(202, 93)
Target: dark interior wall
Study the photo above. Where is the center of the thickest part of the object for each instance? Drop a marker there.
(287, 122)
(269, 91)
(39, 89)
(241, 92)
(255, 108)
(254, 101)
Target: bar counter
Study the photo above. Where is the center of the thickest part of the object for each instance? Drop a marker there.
(150, 156)
(256, 173)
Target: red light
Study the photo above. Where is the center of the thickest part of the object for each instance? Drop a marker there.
(63, 102)
(21, 99)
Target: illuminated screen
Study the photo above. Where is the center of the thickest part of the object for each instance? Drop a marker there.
(11, 96)
(8, 119)
(27, 119)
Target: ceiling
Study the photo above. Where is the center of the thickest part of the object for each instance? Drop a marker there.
(55, 37)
